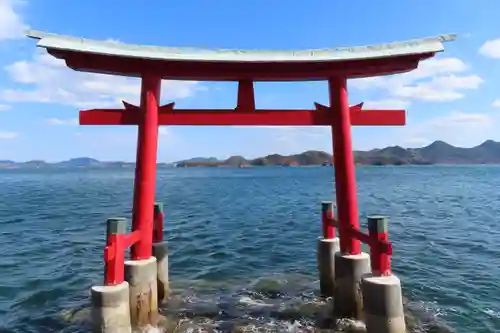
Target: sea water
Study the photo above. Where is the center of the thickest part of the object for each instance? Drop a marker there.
(242, 244)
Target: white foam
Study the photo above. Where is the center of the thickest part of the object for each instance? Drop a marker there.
(248, 301)
(151, 329)
(492, 313)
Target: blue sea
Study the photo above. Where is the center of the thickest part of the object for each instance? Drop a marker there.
(242, 244)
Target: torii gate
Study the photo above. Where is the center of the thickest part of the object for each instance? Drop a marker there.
(152, 64)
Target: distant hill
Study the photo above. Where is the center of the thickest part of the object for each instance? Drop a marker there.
(438, 152)
(80, 162)
(236, 161)
(74, 163)
(200, 160)
(443, 153)
(6, 163)
(310, 157)
(395, 155)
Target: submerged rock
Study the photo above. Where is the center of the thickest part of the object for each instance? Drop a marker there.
(76, 315)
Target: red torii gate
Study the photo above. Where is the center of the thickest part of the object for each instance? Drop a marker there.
(120, 305)
(152, 64)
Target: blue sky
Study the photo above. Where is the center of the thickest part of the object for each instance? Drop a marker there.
(454, 97)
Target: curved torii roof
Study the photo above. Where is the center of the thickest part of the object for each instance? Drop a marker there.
(183, 63)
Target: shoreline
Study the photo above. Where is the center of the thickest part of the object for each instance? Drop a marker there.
(162, 167)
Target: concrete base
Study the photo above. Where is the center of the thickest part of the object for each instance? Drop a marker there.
(349, 269)
(110, 309)
(326, 250)
(160, 252)
(383, 304)
(141, 276)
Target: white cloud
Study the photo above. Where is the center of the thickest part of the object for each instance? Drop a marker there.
(439, 89)
(4, 107)
(5, 135)
(58, 121)
(11, 22)
(120, 142)
(459, 128)
(496, 103)
(385, 104)
(53, 82)
(472, 129)
(306, 130)
(367, 83)
(436, 66)
(296, 139)
(458, 118)
(116, 136)
(491, 48)
(437, 79)
(163, 131)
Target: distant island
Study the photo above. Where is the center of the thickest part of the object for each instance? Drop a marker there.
(438, 152)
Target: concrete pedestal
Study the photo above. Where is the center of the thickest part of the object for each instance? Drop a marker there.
(141, 276)
(160, 252)
(383, 304)
(347, 299)
(111, 309)
(326, 250)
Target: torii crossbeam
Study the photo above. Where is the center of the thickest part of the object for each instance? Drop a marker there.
(244, 114)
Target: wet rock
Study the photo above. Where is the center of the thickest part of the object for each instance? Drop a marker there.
(168, 324)
(204, 325)
(76, 315)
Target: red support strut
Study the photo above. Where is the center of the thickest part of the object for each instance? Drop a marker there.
(114, 252)
(380, 260)
(246, 96)
(345, 177)
(145, 176)
(328, 220)
(159, 216)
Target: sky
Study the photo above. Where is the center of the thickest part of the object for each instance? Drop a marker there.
(453, 97)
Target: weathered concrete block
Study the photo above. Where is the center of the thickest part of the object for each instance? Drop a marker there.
(383, 304)
(349, 269)
(111, 309)
(141, 276)
(160, 252)
(326, 250)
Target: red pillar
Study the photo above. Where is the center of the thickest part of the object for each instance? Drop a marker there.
(145, 173)
(345, 177)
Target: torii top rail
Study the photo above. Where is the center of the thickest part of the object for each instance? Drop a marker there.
(153, 63)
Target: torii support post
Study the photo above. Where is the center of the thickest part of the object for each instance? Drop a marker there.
(145, 172)
(350, 263)
(345, 177)
(141, 271)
